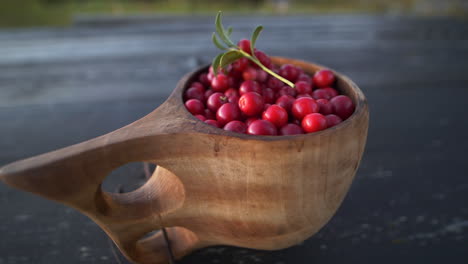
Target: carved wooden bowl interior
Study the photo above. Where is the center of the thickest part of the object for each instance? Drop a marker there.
(211, 187)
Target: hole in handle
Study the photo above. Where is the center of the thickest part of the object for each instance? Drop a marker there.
(128, 178)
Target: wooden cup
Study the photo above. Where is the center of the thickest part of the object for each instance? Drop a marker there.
(211, 187)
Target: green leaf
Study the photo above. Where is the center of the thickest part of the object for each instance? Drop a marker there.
(253, 40)
(230, 57)
(216, 62)
(229, 31)
(221, 32)
(216, 42)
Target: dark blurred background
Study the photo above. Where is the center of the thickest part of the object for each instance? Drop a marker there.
(74, 70)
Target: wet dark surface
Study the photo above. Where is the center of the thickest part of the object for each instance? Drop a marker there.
(408, 204)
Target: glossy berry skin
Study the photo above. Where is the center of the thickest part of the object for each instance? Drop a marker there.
(208, 93)
(251, 104)
(304, 106)
(220, 83)
(314, 122)
(262, 76)
(195, 107)
(215, 101)
(233, 99)
(212, 122)
(204, 79)
(244, 44)
(227, 113)
(264, 59)
(262, 127)
(198, 85)
(304, 78)
(326, 108)
(291, 129)
(250, 120)
(194, 93)
(286, 101)
(289, 72)
(321, 94)
(323, 78)
(236, 126)
(342, 106)
(287, 90)
(230, 92)
(268, 96)
(209, 114)
(276, 115)
(303, 95)
(240, 64)
(303, 87)
(333, 120)
(201, 117)
(331, 91)
(249, 73)
(249, 86)
(274, 83)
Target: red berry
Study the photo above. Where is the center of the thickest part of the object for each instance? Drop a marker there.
(304, 106)
(303, 87)
(209, 114)
(231, 91)
(240, 65)
(291, 129)
(195, 106)
(321, 94)
(332, 92)
(276, 115)
(236, 126)
(262, 127)
(262, 76)
(215, 101)
(201, 117)
(250, 120)
(274, 83)
(287, 90)
(289, 72)
(304, 78)
(314, 122)
(194, 93)
(249, 73)
(220, 83)
(325, 106)
(333, 120)
(285, 101)
(342, 106)
(323, 78)
(251, 103)
(208, 93)
(233, 99)
(212, 122)
(264, 59)
(227, 113)
(250, 86)
(199, 86)
(210, 77)
(204, 79)
(269, 96)
(303, 95)
(244, 44)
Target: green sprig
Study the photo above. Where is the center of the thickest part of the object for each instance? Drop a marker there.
(233, 52)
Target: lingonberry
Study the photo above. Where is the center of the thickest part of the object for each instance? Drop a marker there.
(289, 72)
(262, 127)
(236, 126)
(268, 96)
(333, 120)
(291, 129)
(304, 106)
(250, 86)
(325, 106)
(233, 98)
(276, 115)
(231, 92)
(198, 85)
(262, 76)
(314, 122)
(303, 95)
(285, 101)
(249, 120)
(323, 78)
(251, 103)
(227, 113)
(303, 77)
(208, 93)
(249, 73)
(220, 83)
(264, 59)
(332, 92)
(194, 93)
(240, 64)
(195, 106)
(201, 117)
(274, 83)
(209, 114)
(204, 79)
(342, 106)
(321, 94)
(287, 90)
(212, 122)
(303, 87)
(244, 44)
(215, 101)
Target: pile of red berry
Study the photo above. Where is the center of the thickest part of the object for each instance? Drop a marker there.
(245, 99)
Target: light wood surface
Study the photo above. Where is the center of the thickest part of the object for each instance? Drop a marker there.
(211, 186)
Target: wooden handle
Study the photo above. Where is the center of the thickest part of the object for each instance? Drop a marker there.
(73, 176)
